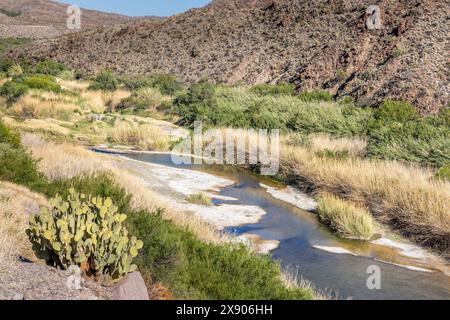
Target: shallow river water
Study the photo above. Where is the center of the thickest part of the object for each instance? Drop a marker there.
(308, 248)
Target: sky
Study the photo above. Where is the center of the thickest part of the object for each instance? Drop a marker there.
(140, 7)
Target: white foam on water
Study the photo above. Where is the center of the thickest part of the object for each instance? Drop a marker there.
(337, 250)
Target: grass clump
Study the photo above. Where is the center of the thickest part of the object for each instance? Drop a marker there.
(49, 67)
(106, 80)
(444, 173)
(143, 99)
(273, 89)
(200, 198)
(345, 218)
(8, 136)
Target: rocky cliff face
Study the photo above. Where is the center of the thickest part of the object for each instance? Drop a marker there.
(313, 43)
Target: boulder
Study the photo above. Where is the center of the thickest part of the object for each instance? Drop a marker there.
(131, 287)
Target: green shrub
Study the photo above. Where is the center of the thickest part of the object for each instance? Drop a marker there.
(197, 103)
(399, 111)
(9, 136)
(444, 173)
(347, 219)
(12, 91)
(41, 82)
(18, 167)
(12, 14)
(106, 80)
(316, 95)
(425, 141)
(141, 99)
(273, 89)
(5, 64)
(195, 270)
(85, 231)
(49, 67)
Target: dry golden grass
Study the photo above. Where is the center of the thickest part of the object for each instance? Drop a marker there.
(47, 106)
(44, 125)
(112, 99)
(16, 203)
(59, 161)
(93, 101)
(73, 85)
(143, 137)
(404, 197)
(354, 146)
(345, 218)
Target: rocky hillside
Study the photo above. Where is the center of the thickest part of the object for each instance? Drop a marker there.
(312, 43)
(45, 18)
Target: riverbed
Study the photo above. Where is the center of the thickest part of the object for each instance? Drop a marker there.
(279, 220)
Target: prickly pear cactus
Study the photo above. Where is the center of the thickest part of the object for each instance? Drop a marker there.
(87, 232)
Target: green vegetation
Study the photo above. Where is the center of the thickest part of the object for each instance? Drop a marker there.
(316, 95)
(106, 80)
(18, 167)
(39, 81)
(196, 270)
(12, 14)
(395, 111)
(200, 198)
(444, 173)
(274, 89)
(8, 136)
(12, 91)
(49, 67)
(142, 99)
(347, 219)
(11, 43)
(85, 231)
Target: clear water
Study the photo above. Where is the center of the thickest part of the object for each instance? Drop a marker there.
(298, 231)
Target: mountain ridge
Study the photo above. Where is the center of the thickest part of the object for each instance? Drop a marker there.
(322, 44)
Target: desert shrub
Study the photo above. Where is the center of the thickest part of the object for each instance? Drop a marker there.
(444, 173)
(14, 71)
(49, 67)
(316, 95)
(273, 89)
(12, 91)
(18, 167)
(332, 119)
(344, 217)
(199, 198)
(197, 103)
(425, 141)
(85, 231)
(106, 80)
(197, 270)
(399, 111)
(5, 64)
(41, 82)
(9, 13)
(143, 98)
(8, 136)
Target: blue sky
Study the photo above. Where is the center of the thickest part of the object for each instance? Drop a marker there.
(140, 7)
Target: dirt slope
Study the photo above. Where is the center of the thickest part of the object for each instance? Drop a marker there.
(312, 43)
